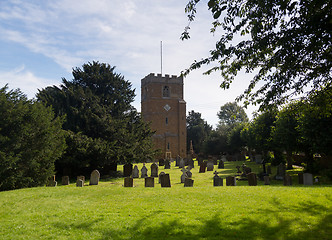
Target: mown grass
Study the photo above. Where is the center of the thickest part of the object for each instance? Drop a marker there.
(110, 211)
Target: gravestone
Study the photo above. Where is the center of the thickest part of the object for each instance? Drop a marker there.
(94, 177)
(165, 180)
(189, 174)
(308, 179)
(135, 172)
(167, 164)
(81, 177)
(269, 170)
(281, 171)
(191, 163)
(79, 183)
(300, 178)
(127, 169)
(199, 161)
(144, 171)
(128, 182)
(65, 180)
(154, 170)
(202, 167)
(182, 163)
(52, 182)
(230, 181)
(287, 180)
(217, 181)
(209, 166)
(161, 162)
(258, 158)
(177, 161)
(266, 180)
(252, 179)
(215, 161)
(221, 164)
(160, 175)
(184, 175)
(188, 182)
(149, 182)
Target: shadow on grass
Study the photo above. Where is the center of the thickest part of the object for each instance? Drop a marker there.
(273, 225)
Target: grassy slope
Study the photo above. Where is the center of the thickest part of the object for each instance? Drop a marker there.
(110, 211)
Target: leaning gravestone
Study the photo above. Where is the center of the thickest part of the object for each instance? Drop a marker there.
(154, 170)
(128, 182)
(149, 182)
(308, 179)
(281, 171)
(189, 174)
(144, 171)
(167, 164)
(184, 175)
(230, 181)
(81, 178)
(188, 182)
(217, 181)
(127, 169)
(65, 180)
(221, 164)
(252, 179)
(79, 183)
(135, 173)
(182, 163)
(161, 162)
(94, 177)
(160, 176)
(165, 180)
(177, 161)
(266, 180)
(209, 166)
(287, 180)
(191, 163)
(202, 167)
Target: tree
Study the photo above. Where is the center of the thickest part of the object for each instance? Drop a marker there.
(231, 113)
(287, 44)
(100, 117)
(31, 140)
(198, 131)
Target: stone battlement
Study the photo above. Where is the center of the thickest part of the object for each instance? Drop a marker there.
(158, 78)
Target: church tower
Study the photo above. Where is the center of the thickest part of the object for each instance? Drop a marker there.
(163, 105)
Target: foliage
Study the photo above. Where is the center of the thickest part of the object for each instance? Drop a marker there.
(198, 131)
(104, 127)
(31, 140)
(232, 113)
(286, 44)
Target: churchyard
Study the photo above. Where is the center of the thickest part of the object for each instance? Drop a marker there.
(108, 210)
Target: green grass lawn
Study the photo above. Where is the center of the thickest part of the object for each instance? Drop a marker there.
(110, 211)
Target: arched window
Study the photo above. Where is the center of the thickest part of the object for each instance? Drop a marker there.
(166, 91)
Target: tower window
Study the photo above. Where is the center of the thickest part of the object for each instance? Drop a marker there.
(168, 146)
(167, 121)
(166, 92)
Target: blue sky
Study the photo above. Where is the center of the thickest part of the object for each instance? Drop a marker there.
(42, 40)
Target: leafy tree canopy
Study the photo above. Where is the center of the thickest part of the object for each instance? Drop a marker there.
(287, 44)
(232, 113)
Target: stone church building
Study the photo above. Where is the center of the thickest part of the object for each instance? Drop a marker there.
(163, 105)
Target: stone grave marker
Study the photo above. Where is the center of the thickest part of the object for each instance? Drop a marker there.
(189, 174)
(252, 179)
(199, 161)
(52, 182)
(135, 173)
(287, 180)
(300, 178)
(149, 182)
(154, 170)
(81, 177)
(258, 158)
(182, 163)
(308, 179)
(230, 181)
(191, 163)
(128, 182)
(144, 171)
(266, 180)
(94, 177)
(269, 170)
(167, 164)
(79, 183)
(184, 175)
(281, 171)
(177, 161)
(65, 180)
(160, 175)
(209, 166)
(165, 180)
(188, 182)
(202, 167)
(161, 162)
(221, 164)
(215, 161)
(217, 181)
(127, 169)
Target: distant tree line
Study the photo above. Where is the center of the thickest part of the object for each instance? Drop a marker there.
(87, 123)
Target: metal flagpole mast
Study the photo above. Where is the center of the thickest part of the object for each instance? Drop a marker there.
(161, 57)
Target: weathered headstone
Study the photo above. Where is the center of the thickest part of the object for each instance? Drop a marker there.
(258, 158)
(144, 171)
(149, 182)
(281, 171)
(308, 179)
(215, 161)
(230, 181)
(188, 182)
(199, 161)
(266, 180)
(300, 175)
(177, 161)
(52, 182)
(189, 174)
(65, 180)
(221, 164)
(252, 179)
(135, 173)
(154, 170)
(191, 163)
(94, 177)
(128, 182)
(160, 175)
(202, 167)
(209, 166)
(182, 163)
(287, 180)
(127, 169)
(217, 181)
(161, 162)
(184, 175)
(81, 177)
(165, 180)
(79, 183)
(167, 164)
